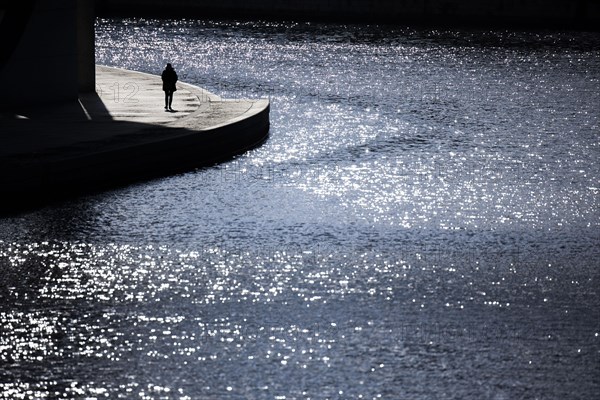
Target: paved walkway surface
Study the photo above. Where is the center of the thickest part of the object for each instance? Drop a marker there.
(139, 97)
(127, 110)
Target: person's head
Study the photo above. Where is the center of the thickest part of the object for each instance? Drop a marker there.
(169, 66)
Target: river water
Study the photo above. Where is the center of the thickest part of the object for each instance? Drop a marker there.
(423, 223)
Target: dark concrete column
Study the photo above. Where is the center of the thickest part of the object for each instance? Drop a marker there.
(86, 72)
(46, 51)
(39, 55)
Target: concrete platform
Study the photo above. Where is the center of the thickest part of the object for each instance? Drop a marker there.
(118, 135)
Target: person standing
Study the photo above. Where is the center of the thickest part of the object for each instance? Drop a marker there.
(169, 78)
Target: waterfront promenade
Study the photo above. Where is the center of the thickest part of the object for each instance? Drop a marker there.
(118, 135)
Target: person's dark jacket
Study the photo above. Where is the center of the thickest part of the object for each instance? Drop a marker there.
(169, 78)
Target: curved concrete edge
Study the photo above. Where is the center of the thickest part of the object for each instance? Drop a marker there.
(256, 107)
(180, 150)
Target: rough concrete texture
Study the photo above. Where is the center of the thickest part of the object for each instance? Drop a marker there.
(119, 135)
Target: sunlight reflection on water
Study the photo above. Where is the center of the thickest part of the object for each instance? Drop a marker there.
(422, 223)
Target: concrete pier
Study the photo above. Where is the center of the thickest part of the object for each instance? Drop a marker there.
(118, 135)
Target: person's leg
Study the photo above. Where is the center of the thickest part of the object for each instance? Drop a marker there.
(170, 100)
(166, 100)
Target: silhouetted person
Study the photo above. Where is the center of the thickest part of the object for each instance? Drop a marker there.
(169, 78)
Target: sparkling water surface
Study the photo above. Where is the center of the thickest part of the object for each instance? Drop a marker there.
(423, 223)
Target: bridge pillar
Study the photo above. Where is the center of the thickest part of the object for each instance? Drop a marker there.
(46, 51)
(86, 59)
